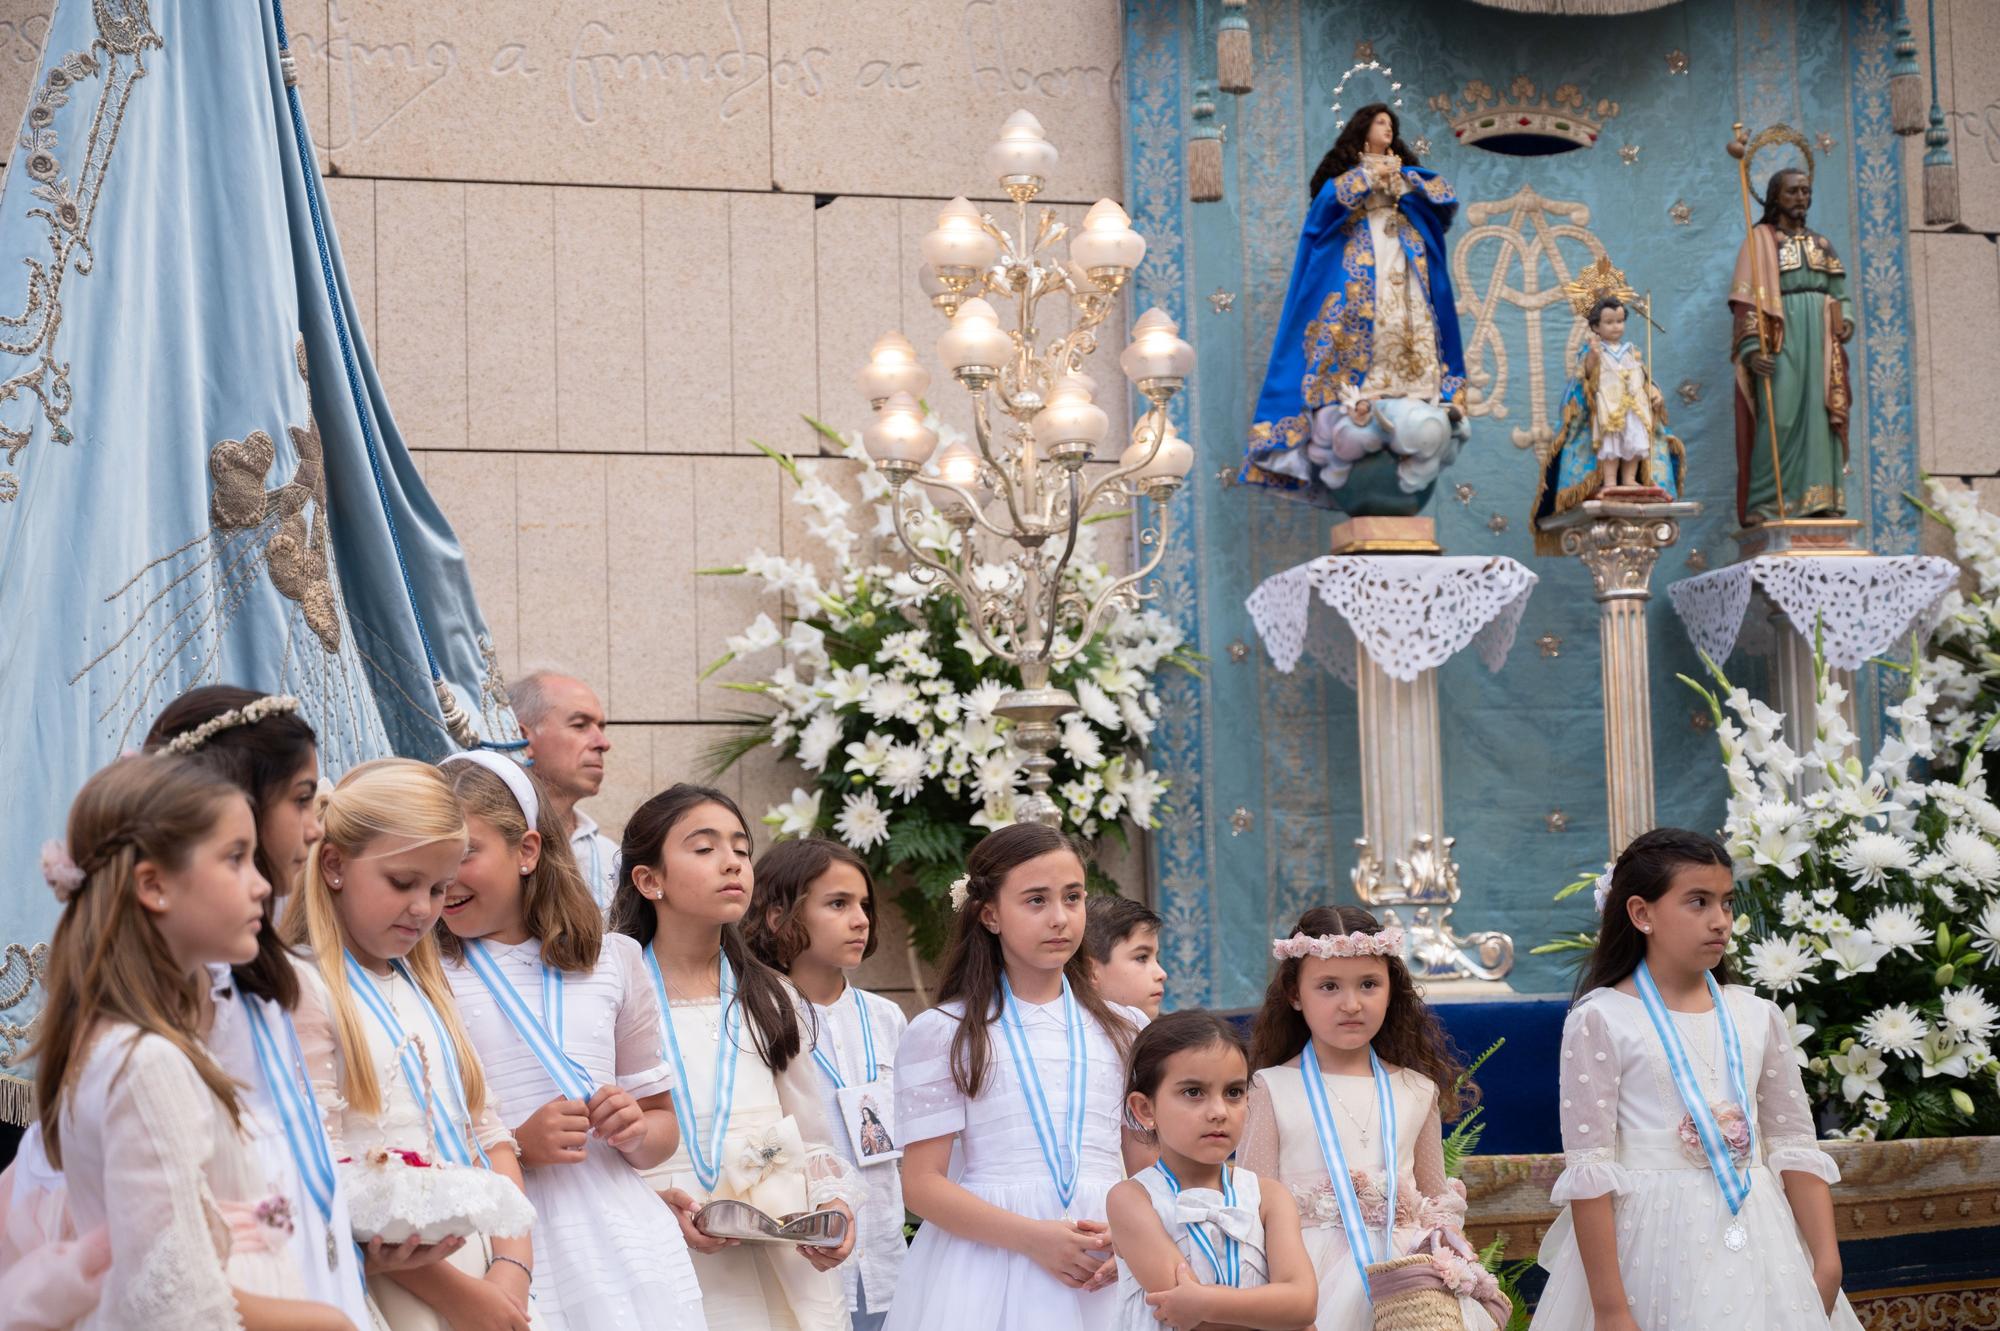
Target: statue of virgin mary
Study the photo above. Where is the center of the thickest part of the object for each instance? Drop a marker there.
(1367, 357)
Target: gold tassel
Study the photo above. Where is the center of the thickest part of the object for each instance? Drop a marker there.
(17, 1101)
(1204, 165)
(1234, 65)
(1940, 193)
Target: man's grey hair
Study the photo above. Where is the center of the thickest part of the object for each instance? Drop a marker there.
(529, 696)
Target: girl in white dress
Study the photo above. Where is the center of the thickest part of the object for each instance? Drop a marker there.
(390, 1063)
(751, 1127)
(1693, 1201)
(1020, 1067)
(565, 1023)
(1199, 1239)
(262, 745)
(1355, 1077)
(812, 917)
(159, 881)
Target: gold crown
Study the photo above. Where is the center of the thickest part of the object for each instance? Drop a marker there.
(1480, 114)
(1594, 283)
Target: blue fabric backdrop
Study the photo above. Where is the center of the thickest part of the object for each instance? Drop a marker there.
(200, 479)
(1282, 749)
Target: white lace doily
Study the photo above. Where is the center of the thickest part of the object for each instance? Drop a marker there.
(1412, 612)
(1865, 605)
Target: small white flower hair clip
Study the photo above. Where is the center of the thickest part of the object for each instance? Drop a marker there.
(59, 871)
(1386, 943)
(961, 892)
(1601, 892)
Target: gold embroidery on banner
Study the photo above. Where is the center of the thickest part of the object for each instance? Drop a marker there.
(124, 34)
(1526, 232)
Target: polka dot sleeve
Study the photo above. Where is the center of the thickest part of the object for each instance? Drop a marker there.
(1784, 1115)
(1587, 1097)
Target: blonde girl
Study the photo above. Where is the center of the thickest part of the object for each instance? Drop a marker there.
(565, 1020)
(374, 989)
(159, 881)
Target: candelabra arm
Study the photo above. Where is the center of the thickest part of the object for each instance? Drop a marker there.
(1118, 589)
(982, 432)
(972, 504)
(952, 580)
(1118, 474)
(1055, 578)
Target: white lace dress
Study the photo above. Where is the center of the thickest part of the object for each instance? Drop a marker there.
(1280, 1145)
(877, 1264)
(954, 1279)
(1175, 1212)
(338, 1282)
(402, 1123)
(1620, 1124)
(758, 1286)
(608, 1252)
(150, 1154)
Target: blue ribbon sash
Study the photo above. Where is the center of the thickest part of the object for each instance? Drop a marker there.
(455, 1142)
(542, 1036)
(291, 1092)
(1063, 1165)
(1734, 1182)
(1360, 1242)
(827, 1065)
(1228, 1268)
(707, 1163)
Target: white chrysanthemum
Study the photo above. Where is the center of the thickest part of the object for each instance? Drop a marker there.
(1895, 1029)
(903, 771)
(1872, 856)
(1877, 1110)
(1791, 909)
(1969, 1013)
(1860, 1071)
(1142, 792)
(1097, 705)
(983, 698)
(1987, 931)
(1900, 929)
(1084, 749)
(1781, 963)
(1138, 722)
(817, 740)
(1852, 953)
(1974, 860)
(797, 816)
(862, 823)
(996, 774)
(890, 697)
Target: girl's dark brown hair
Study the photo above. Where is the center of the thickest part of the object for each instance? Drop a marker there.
(1176, 1033)
(1411, 1036)
(1645, 869)
(260, 759)
(1345, 154)
(767, 1004)
(973, 966)
(784, 877)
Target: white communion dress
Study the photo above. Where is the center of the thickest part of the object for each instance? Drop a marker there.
(608, 1252)
(1206, 1208)
(758, 1286)
(954, 1279)
(1280, 1144)
(151, 1156)
(1621, 1129)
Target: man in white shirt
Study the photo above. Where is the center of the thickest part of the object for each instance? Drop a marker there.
(564, 725)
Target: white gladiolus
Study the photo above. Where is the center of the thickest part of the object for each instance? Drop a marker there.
(761, 634)
(798, 816)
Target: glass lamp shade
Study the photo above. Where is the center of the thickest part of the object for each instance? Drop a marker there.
(955, 464)
(975, 339)
(898, 437)
(959, 243)
(1021, 152)
(1071, 425)
(892, 368)
(1107, 240)
(1173, 461)
(1156, 351)
(930, 283)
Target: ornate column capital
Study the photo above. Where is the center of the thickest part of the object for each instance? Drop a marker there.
(1620, 543)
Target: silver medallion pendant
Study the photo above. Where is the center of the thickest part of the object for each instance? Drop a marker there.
(1736, 1238)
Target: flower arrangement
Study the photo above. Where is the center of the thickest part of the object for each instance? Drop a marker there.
(887, 699)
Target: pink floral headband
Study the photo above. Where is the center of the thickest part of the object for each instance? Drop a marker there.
(1387, 943)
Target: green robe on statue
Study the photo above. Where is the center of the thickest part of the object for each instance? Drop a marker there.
(1801, 287)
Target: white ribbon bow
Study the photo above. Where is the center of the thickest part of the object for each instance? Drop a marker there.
(1238, 1222)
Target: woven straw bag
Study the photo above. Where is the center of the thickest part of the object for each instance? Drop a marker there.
(1410, 1295)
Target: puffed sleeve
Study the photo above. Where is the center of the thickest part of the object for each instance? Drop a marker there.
(828, 1176)
(1587, 1097)
(313, 1021)
(168, 1243)
(928, 1102)
(641, 1065)
(1784, 1115)
(1257, 1150)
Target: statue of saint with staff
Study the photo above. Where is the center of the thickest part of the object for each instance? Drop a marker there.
(1792, 322)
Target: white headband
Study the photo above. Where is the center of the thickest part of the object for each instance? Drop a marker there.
(510, 772)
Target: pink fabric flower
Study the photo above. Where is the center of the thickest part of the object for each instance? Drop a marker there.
(1735, 1133)
(59, 871)
(1387, 943)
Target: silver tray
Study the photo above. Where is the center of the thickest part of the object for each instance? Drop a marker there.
(740, 1220)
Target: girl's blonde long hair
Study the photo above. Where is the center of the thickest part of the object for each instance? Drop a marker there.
(556, 906)
(107, 962)
(410, 803)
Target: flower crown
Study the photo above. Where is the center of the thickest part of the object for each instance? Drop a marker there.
(249, 714)
(1387, 943)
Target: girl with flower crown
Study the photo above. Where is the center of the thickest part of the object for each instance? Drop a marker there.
(1696, 1195)
(1019, 1073)
(1353, 1079)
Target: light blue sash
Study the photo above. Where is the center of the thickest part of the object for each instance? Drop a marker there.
(867, 1047)
(543, 1037)
(1734, 1182)
(1064, 1167)
(1360, 1243)
(707, 1164)
(1229, 1268)
(454, 1141)
(291, 1092)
